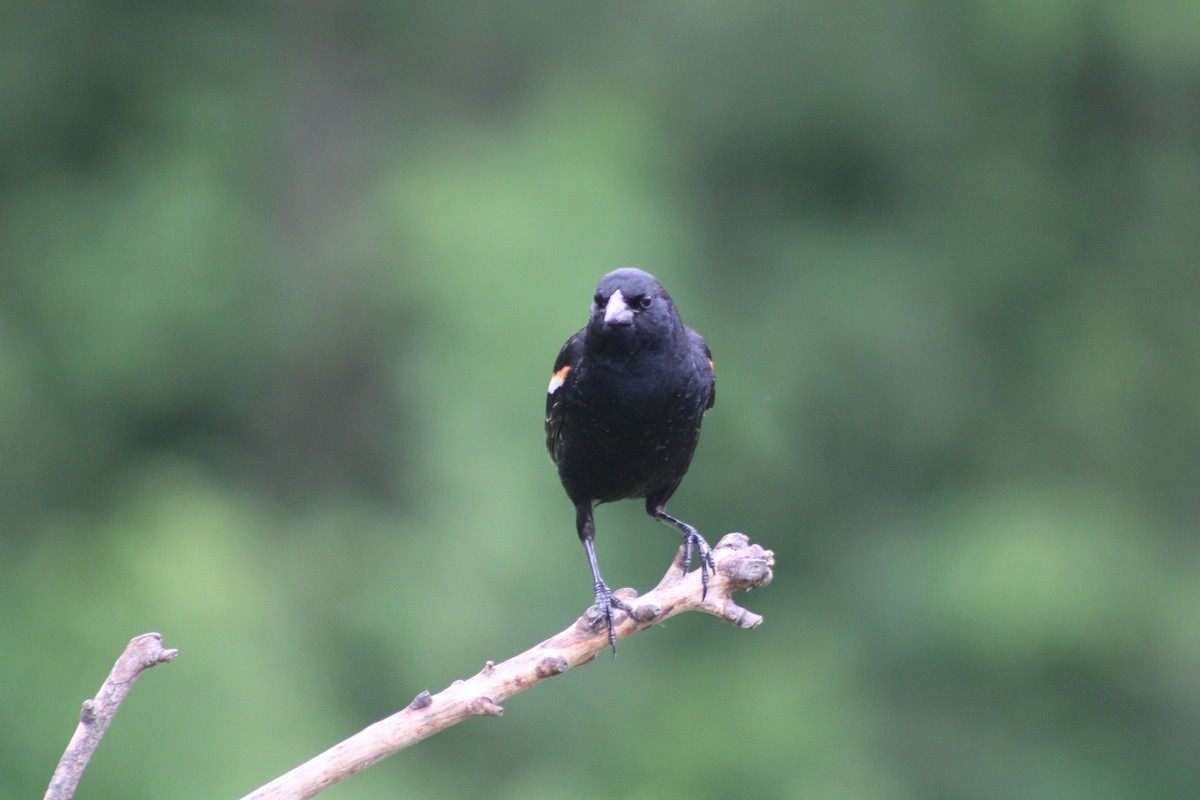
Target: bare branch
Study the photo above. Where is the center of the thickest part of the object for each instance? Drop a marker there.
(141, 653)
(740, 566)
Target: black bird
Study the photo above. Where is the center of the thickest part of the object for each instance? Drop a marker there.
(623, 413)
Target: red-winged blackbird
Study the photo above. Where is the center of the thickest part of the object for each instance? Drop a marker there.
(623, 414)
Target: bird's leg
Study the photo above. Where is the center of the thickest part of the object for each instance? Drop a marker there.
(605, 599)
(691, 538)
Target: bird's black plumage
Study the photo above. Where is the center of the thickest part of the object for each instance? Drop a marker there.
(623, 413)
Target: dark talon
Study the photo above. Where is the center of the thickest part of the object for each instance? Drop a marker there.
(707, 563)
(606, 601)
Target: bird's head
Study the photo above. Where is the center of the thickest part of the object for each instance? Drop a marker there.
(631, 306)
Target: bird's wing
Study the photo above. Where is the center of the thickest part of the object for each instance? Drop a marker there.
(561, 381)
(700, 349)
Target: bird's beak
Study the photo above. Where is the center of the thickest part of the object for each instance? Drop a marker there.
(617, 312)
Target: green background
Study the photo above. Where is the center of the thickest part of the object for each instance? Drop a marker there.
(280, 289)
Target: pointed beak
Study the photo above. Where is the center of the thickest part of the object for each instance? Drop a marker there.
(617, 312)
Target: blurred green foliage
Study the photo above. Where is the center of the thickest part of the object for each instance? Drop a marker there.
(280, 286)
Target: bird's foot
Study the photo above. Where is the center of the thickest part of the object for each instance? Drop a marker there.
(606, 601)
(691, 539)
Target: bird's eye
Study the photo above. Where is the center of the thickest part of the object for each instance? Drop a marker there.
(599, 301)
(645, 301)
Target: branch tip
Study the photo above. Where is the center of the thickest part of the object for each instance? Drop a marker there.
(140, 654)
(741, 617)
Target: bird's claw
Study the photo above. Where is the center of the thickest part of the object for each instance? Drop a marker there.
(606, 601)
(707, 562)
